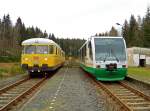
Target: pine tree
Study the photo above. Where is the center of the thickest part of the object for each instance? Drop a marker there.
(99, 34)
(113, 32)
(7, 26)
(20, 30)
(38, 32)
(133, 32)
(106, 34)
(146, 28)
(0, 29)
(45, 34)
(49, 36)
(53, 37)
(140, 35)
(7, 31)
(125, 32)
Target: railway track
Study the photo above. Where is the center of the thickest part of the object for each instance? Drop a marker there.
(141, 85)
(128, 98)
(14, 93)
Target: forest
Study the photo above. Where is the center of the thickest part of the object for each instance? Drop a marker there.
(136, 32)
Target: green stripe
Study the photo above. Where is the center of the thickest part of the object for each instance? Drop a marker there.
(104, 75)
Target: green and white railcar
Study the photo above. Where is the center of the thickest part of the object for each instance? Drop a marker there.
(104, 57)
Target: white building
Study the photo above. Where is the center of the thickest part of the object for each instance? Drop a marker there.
(138, 56)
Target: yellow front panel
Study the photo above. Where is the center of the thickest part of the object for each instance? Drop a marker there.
(32, 59)
(39, 59)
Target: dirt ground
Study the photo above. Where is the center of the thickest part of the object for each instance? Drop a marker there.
(7, 65)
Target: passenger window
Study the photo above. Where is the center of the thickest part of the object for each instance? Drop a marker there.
(90, 50)
(41, 49)
(56, 50)
(51, 49)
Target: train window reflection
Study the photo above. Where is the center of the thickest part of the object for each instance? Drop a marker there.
(29, 49)
(42, 49)
(109, 49)
(32, 49)
(51, 49)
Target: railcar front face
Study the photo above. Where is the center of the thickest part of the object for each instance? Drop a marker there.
(110, 59)
(35, 58)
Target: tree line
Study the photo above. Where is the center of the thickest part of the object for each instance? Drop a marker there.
(69, 46)
(112, 32)
(11, 37)
(135, 31)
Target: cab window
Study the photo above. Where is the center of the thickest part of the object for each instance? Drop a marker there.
(51, 49)
(29, 49)
(56, 50)
(41, 49)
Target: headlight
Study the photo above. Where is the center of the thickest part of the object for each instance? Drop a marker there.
(26, 59)
(45, 59)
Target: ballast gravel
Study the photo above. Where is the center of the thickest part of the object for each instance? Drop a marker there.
(68, 90)
(10, 80)
(138, 84)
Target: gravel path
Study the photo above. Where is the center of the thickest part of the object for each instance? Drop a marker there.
(68, 90)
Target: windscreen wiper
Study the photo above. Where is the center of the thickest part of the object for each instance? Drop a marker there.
(112, 51)
(105, 58)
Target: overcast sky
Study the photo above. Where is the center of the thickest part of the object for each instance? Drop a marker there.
(73, 18)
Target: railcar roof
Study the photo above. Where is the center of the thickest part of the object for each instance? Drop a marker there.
(39, 41)
(106, 37)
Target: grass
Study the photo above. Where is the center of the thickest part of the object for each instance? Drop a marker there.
(9, 59)
(2, 72)
(10, 70)
(139, 73)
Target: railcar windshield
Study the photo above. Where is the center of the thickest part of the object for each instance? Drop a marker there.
(110, 49)
(29, 49)
(42, 49)
(33, 49)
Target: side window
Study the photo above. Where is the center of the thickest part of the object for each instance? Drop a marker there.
(90, 50)
(84, 50)
(56, 50)
(83, 53)
(51, 49)
(23, 50)
(80, 55)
